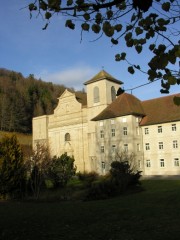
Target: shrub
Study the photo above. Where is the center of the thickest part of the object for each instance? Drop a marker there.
(121, 177)
(61, 170)
(88, 177)
(102, 189)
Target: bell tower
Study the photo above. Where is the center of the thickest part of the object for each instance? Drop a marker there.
(101, 91)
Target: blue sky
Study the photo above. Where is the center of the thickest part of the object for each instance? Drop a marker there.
(58, 55)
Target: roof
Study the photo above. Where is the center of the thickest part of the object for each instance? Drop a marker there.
(81, 97)
(153, 111)
(160, 110)
(125, 104)
(102, 75)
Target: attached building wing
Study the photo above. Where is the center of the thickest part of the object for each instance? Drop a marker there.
(160, 110)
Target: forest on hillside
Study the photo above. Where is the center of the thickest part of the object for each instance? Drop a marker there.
(22, 98)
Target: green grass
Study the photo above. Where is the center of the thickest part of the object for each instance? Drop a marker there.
(149, 215)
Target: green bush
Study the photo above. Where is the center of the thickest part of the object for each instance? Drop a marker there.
(102, 189)
(120, 179)
(123, 175)
(75, 183)
(61, 170)
(88, 178)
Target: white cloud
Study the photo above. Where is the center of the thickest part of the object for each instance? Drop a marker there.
(71, 77)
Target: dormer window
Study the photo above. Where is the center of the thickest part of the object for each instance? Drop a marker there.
(96, 95)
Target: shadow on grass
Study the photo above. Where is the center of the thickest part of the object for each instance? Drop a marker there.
(152, 214)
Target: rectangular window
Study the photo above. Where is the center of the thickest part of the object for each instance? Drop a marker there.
(113, 133)
(173, 127)
(103, 165)
(101, 124)
(146, 131)
(102, 149)
(113, 148)
(159, 129)
(125, 130)
(175, 144)
(124, 120)
(162, 164)
(137, 119)
(139, 163)
(112, 121)
(176, 162)
(126, 147)
(138, 147)
(148, 163)
(160, 145)
(101, 134)
(147, 146)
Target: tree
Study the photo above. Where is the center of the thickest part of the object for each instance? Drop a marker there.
(37, 167)
(140, 23)
(61, 170)
(123, 176)
(12, 171)
(21, 99)
(124, 172)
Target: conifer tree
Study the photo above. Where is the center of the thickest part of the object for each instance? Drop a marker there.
(12, 173)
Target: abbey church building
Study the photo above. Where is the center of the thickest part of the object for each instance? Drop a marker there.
(96, 125)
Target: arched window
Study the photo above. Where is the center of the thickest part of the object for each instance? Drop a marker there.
(96, 95)
(113, 93)
(67, 137)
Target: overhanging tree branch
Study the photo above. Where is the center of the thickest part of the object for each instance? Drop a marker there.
(138, 23)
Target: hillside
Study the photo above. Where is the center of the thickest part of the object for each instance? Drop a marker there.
(25, 140)
(22, 98)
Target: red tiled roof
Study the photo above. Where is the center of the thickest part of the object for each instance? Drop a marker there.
(153, 111)
(125, 104)
(160, 110)
(102, 75)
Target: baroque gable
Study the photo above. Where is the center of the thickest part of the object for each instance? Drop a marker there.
(67, 104)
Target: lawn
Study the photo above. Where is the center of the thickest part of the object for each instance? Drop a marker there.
(152, 214)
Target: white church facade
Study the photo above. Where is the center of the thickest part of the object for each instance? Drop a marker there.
(96, 125)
